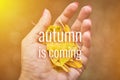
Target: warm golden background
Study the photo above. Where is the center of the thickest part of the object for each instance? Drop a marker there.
(17, 18)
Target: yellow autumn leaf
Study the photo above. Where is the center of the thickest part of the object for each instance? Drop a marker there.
(63, 62)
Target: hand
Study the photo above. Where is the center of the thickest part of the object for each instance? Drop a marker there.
(35, 68)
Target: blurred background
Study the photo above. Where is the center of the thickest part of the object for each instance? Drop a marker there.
(17, 18)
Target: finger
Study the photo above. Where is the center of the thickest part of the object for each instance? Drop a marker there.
(85, 51)
(42, 24)
(84, 14)
(86, 39)
(83, 60)
(67, 13)
(86, 25)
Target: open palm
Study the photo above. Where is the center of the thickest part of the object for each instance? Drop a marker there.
(36, 68)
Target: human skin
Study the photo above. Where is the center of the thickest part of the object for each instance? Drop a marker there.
(36, 68)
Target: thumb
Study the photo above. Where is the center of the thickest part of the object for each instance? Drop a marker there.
(43, 23)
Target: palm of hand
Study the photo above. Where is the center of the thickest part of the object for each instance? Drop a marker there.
(41, 69)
